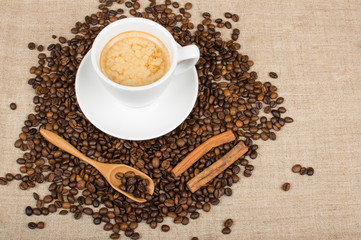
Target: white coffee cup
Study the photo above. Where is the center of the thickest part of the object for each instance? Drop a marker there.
(181, 59)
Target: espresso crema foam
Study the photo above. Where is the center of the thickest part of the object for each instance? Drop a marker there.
(134, 59)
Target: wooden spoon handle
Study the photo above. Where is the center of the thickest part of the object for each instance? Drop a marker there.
(64, 145)
(216, 168)
(202, 149)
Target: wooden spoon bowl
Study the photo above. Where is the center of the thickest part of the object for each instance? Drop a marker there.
(106, 169)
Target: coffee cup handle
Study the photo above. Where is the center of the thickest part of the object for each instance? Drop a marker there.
(187, 57)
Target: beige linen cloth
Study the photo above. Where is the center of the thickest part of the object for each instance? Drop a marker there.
(314, 46)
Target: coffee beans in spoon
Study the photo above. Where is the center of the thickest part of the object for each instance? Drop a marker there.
(134, 184)
(231, 97)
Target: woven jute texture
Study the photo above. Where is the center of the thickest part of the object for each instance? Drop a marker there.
(314, 46)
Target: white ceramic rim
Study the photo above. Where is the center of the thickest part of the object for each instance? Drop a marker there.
(135, 20)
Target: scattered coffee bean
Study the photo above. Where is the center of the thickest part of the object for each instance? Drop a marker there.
(40, 48)
(228, 15)
(195, 238)
(135, 236)
(235, 18)
(228, 25)
(3, 181)
(296, 168)
(310, 171)
(28, 211)
(32, 225)
(31, 46)
(40, 225)
(13, 106)
(62, 40)
(303, 171)
(36, 196)
(228, 223)
(188, 6)
(286, 186)
(63, 212)
(115, 236)
(226, 230)
(165, 228)
(273, 75)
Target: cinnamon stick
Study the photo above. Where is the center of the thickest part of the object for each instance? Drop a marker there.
(216, 168)
(197, 153)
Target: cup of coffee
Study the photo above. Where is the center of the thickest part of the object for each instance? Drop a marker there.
(135, 59)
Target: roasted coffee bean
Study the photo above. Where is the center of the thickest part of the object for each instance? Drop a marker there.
(228, 223)
(235, 18)
(188, 6)
(286, 186)
(36, 196)
(185, 221)
(194, 215)
(31, 46)
(288, 120)
(63, 212)
(135, 236)
(40, 48)
(115, 236)
(62, 40)
(228, 15)
(273, 75)
(40, 225)
(13, 106)
(303, 170)
(206, 207)
(165, 228)
(28, 211)
(77, 215)
(310, 171)
(9, 177)
(3, 181)
(128, 232)
(134, 184)
(276, 113)
(195, 238)
(108, 227)
(228, 25)
(247, 173)
(32, 225)
(296, 168)
(48, 199)
(226, 230)
(228, 191)
(206, 15)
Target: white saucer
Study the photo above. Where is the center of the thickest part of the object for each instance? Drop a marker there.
(113, 118)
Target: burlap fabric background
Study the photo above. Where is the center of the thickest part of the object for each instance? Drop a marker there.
(314, 46)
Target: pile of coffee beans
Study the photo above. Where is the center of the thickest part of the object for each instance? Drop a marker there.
(134, 184)
(302, 170)
(230, 97)
(227, 226)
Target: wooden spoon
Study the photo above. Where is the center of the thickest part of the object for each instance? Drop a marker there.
(106, 169)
